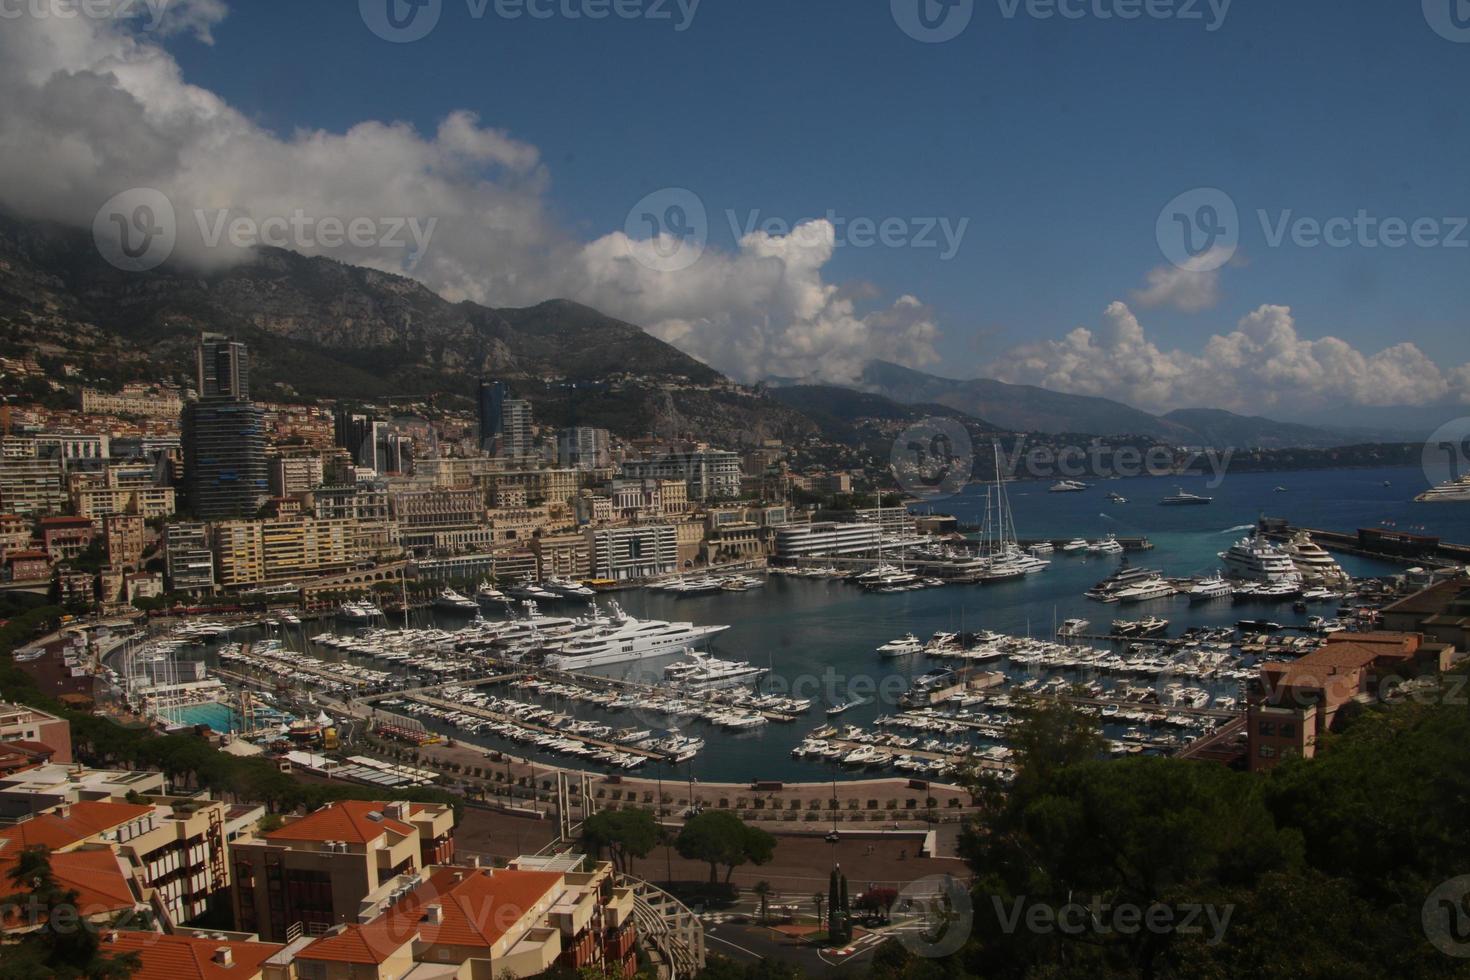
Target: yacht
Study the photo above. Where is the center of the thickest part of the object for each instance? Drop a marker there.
(359, 612)
(450, 599)
(1075, 546)
(1258, 560)
(1140, 627)
(1182, 497)
(487, 592)
(567, 588)
(1451, 491)
(1143, 590)
(1117, 497)
(1073, 627)
(1068, 486)
(889, 579)
(904, 647)
(622, 638)
(1125, 577)
(845, 705)
(1107, 546)
(705, 673)
(1041, 548)
(1212, 587)
(1313, 561)
(528, 589)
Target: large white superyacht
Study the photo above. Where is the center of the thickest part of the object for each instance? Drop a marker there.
(1258, 560)
(621, 638)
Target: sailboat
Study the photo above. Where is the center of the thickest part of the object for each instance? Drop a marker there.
(1006, 558)
(884, 577)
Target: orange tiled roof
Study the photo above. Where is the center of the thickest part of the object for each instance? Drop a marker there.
(187, 957)
(83, 820)
(478, 908)
(95, 876)
(372, 943)
(345, 820)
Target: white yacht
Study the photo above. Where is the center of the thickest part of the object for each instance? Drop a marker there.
(1212, 587)
(1182, 497)
(1258, 560)
(1042, 548)
(1126, 577)
(1313, 561)
(705, 673)
(1450, 491)
(1068, 486)
(487, 592)
(623, 638)
(359, 612)
(1153, 587)
(567, 588)
(1107, 546)
(1075, 546)
(528, 589)
(1073, 627)
(450, 599)
(904, 647)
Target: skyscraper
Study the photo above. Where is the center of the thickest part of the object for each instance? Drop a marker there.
(225, 472)
(505, 422)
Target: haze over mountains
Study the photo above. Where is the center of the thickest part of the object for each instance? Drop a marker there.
(324, 329)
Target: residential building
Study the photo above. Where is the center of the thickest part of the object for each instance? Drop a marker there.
(224, 436)
(40, 789)
(223, 368)
(1294, 703)
(143, 401)
(27, 566)
(290, 547)
(562, 555)
(123, 534)
(584, 448)
(708, 474)
(64, 538)
(633, 552)
(15, 532)
(315, 871)
(829, 538)
(188, 557)
(491, 404)
(32, 485)
(294, 473)
(198, 956)
(20, 723)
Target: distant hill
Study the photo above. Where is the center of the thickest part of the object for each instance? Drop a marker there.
(838, 411)
(1217, 427)
(318, 328)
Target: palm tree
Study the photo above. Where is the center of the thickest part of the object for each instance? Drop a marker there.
(763, 889)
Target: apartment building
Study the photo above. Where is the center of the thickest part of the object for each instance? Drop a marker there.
(472, 922)
(123, 534)
(15, 532)
(63, 538)
(251, 553)
(143, 401)
(829, 538)
(1293, 704)
(709, 474)
(199, 956)
(437, 509)
(548, 486)
(633, 552)
(188, 557)
(32, 486)
(584, 448)
(314, 872)
(563, 555)
(40, 789)
(293, 474)
(21, 723)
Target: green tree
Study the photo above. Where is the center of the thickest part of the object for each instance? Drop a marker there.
(719, 838)
(627, 834)
(64, 945)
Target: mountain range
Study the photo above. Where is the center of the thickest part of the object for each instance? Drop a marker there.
(320, 329)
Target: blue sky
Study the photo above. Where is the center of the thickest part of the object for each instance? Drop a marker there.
(1060, 141)
(1057, 140)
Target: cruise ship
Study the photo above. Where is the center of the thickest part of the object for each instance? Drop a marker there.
(621, 638)
(1313, 562)
(1258, 560)
(1447, 492)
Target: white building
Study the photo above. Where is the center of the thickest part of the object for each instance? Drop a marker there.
(809, 540)
(638, 551)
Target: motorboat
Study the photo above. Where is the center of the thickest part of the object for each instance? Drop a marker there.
(906, 646)
(1073, 627)
(1211, 587)
(450, 599)
(1075, 546)
(1107, 546)
(1068, 486)
(1182, 497)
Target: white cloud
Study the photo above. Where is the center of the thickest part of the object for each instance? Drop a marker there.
(1262, 365)
(1189, 288)
(96, 107)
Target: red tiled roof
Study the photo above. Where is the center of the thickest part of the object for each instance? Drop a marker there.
(187, 957)
(83, 820)
(372, 943)
(478, 908)
(345, 820)
(95, 876)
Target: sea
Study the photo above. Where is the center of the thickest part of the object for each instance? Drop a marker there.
(819, 636)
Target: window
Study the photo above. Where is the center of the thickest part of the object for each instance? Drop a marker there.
(1267, 728)
(1268, 752)
(1287, 729)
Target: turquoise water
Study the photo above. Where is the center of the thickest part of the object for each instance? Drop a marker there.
(220, 717)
